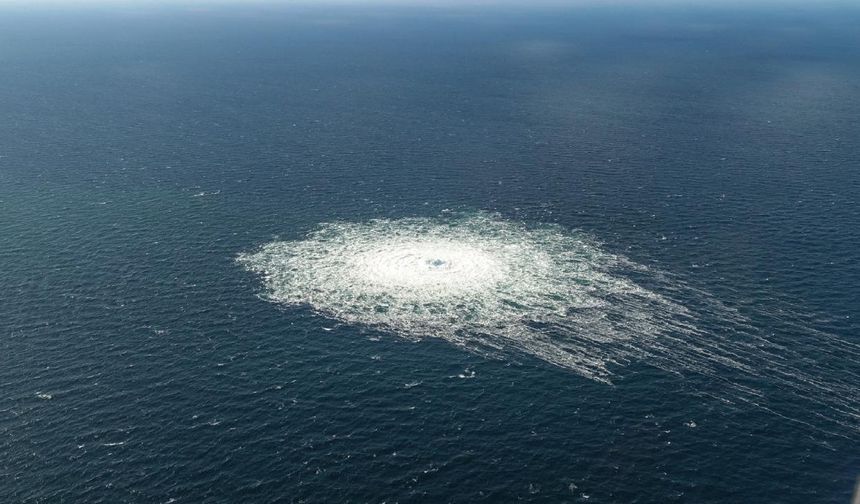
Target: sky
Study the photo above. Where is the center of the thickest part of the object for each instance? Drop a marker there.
(428, 3)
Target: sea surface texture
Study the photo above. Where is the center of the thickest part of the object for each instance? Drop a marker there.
(429, 254)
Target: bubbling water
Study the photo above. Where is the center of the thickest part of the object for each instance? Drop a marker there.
(415, 267)
(501, 288)
(489, 285)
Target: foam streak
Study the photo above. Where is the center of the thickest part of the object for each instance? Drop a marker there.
(497, 287)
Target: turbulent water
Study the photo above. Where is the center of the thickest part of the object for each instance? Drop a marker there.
(480, 282)
(499, 287)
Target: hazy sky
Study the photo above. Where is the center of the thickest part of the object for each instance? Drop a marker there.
(429, 3)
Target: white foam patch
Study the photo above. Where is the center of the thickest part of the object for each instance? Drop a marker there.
(500, 288)
(480, 282)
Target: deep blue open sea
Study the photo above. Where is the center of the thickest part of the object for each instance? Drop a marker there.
(143, 149)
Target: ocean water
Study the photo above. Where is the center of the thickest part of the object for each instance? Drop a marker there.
(375, 254)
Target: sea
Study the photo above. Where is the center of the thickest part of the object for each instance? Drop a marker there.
(211, 215)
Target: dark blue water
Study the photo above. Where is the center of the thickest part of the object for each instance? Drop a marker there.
(141, 149)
